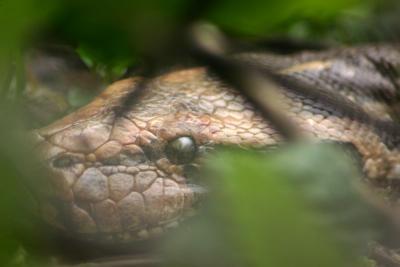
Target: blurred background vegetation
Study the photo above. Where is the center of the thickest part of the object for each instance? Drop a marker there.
(56, 55)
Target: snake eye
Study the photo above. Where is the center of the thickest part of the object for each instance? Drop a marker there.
(181, 150)
(64, 161)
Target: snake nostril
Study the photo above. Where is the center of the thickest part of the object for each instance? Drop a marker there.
(132, 159)
(111, 161)
(126, 158)
(64, 161)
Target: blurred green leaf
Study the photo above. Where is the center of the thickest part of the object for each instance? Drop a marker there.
(278, 209)
(110, 69)
(257, 17)
(19, 19)
(115, 32)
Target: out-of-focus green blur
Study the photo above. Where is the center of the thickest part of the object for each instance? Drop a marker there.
(115, 38)
(279, 209)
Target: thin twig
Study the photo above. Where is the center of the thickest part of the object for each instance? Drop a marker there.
(211, 46)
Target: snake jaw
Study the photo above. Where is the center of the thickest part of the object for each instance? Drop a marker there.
(112, 190)
(114, 193)
(105, 201)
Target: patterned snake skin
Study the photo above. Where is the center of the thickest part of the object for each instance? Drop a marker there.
(117, 178)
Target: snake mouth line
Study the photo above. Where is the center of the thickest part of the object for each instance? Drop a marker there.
(126, 237)
(139, 215)
(120, 193)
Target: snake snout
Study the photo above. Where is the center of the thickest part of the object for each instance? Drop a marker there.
(114, 191)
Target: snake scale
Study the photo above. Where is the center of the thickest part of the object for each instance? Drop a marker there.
(122, 177)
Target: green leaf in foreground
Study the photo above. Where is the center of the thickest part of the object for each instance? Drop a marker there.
(294, 207)
(257, 18)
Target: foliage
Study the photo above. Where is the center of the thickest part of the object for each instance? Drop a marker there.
(113, 36)
(277, 209)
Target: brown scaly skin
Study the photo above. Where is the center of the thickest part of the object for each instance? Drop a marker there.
(113, 182)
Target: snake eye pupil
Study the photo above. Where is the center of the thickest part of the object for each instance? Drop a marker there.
(181, 150)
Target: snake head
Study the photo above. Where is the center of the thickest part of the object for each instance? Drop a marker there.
(123, 176)
(115, 178)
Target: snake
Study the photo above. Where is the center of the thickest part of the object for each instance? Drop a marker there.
(119, 177)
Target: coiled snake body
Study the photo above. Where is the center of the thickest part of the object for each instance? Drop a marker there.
(121, 177)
